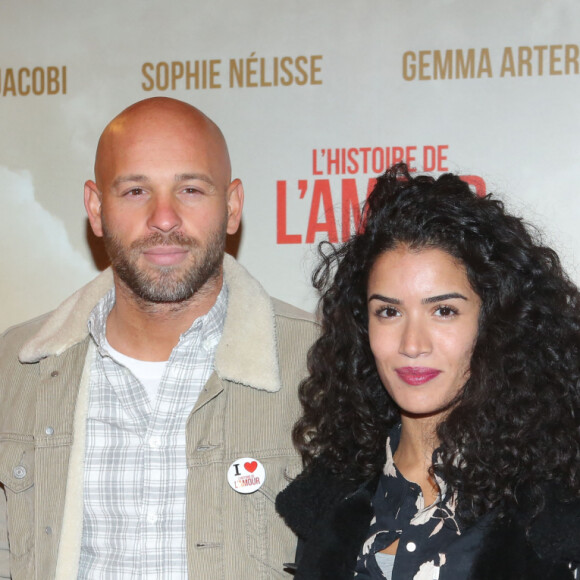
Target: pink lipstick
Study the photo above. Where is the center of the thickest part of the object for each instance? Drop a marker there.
(417, 375)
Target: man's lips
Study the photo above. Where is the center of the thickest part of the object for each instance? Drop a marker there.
(165, 255)
(417, 375)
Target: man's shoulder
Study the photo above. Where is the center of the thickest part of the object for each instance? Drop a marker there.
(286, 310)
(18, 334)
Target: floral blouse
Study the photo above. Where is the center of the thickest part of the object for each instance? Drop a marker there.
(432, 543)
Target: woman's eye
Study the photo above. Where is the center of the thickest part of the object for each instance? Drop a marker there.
(445, 311)
(388, 312)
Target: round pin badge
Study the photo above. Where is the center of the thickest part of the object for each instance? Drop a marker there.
(246, 475)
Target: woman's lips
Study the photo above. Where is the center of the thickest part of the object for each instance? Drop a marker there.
(417, 375)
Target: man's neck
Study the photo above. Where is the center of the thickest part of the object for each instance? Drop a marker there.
(149, 331)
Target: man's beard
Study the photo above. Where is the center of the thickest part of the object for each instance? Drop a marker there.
(167, 284)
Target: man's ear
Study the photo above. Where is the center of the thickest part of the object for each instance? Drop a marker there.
(235, 201)
(93, 207)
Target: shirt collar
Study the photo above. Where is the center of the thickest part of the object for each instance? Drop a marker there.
(208, 327)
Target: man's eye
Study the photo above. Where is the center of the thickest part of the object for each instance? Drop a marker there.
(135, 192)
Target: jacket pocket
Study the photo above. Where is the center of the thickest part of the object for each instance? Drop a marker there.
(268, 539)
(17, 478)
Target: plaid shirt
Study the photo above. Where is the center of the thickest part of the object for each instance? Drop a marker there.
(135, 472)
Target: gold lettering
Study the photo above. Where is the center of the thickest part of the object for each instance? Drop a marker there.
(236, 72)
(484, 64)
(555, 59)
(443, 68)
(409, 66)
(213, 74)
(147, 66)
(424, 65)
(464, 67)
(22, 90)
(9, 85)
(525, 59)
(572, 58)
(251, 72)
(162, 68)
(287, 79)
(263, 81)
(314, 70)
(303, 78)
(507, 63)
(540, 50)
(52, 84)
(177, 72)
(38, 80)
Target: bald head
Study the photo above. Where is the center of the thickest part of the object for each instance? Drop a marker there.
(164, 201)
(159, 123)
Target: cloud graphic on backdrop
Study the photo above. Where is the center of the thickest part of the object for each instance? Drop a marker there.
(34, 248)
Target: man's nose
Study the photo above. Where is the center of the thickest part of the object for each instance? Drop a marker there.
(164, 216)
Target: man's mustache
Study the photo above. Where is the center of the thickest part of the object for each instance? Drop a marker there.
(156, 239)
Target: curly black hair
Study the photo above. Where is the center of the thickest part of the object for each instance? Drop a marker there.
(515, 424)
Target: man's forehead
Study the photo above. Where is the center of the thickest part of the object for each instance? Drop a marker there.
(155, 145)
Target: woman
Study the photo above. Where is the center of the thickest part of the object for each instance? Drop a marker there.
(440, 432)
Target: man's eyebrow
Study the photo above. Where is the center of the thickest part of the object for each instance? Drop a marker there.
(135, 178)
(443, 297)
(384, 299)
(138, 178)
(192, 176)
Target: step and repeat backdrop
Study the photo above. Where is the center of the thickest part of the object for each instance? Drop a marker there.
(314, 98)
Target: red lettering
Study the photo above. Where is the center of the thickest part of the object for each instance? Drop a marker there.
(429, 158)
(441, 157)
(350, 206)
(282, 236)
(322, 194)
(315, 169)
(476, 182)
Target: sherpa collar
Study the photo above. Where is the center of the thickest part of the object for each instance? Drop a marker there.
(246, 354)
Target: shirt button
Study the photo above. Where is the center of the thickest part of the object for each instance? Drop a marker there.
(49, 431)
(48, 530)
(152, 517)
(19, 472)
(54, 374)
(155, 442)
(411, 547)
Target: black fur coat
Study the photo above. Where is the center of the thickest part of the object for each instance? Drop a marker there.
(331, 519)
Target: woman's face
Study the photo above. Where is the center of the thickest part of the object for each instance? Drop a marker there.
(423, 321)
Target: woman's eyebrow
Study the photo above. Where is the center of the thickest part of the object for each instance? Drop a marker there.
(443, 297)
(384, 299)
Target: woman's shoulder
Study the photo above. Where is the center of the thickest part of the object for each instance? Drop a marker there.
(555, 532)
(526, 544)
(316, 494)
(330, 515)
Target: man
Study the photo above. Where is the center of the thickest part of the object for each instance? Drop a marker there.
(136, 417)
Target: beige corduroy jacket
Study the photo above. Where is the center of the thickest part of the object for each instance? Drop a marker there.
(247, 409)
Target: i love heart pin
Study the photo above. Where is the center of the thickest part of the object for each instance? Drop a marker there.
(246, 475)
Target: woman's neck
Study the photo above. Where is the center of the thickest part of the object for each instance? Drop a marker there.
(414, 454)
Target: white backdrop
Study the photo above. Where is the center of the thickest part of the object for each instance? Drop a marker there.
(307, 94)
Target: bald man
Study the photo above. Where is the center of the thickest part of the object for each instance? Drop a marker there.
(146, 423)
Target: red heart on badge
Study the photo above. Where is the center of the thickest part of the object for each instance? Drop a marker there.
(251, 466)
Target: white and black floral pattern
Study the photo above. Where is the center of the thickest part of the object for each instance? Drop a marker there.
(432, 543)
